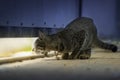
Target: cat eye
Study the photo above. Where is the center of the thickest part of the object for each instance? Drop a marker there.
(40, 39)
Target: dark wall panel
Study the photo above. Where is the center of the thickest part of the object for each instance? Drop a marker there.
(38, 13)
(104, 14)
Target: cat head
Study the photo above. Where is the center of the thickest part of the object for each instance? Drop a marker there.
(40, 43)
(43, 37)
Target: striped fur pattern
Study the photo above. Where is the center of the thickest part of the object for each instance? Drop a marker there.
(77, 37)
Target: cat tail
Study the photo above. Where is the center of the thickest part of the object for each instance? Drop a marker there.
(107, 46)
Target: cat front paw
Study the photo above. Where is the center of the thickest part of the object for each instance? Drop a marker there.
(65, 56)
(71, 57)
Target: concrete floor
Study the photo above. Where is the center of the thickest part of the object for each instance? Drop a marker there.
(103, 65)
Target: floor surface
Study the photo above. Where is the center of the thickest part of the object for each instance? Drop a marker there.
(103, 65)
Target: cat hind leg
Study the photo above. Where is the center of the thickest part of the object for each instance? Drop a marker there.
(85, 54)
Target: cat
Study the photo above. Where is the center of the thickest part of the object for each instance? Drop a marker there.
(77, 37)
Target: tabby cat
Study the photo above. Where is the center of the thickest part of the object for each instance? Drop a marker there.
(77, 37)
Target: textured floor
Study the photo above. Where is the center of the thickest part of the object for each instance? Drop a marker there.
(103, 65)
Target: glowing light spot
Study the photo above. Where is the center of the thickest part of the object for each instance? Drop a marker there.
(21, 54)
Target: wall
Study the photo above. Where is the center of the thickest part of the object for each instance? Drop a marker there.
(38, 13)
(118, 16)
(56, 14)
(104, 14)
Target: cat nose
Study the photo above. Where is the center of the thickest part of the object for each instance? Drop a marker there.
(40, 48)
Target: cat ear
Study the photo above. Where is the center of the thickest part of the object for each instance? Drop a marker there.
(42, 35)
